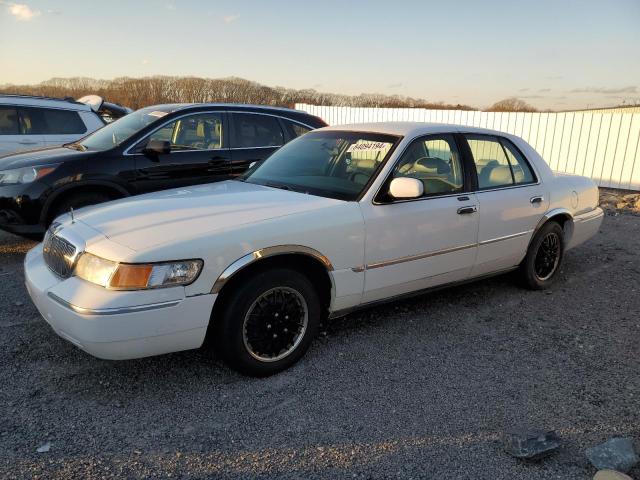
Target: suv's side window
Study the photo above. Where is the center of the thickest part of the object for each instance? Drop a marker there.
(498, 163)
(201, 131)
(434, 160)
(9, 121)
(253, 130)
(295, 129)
(50, 121)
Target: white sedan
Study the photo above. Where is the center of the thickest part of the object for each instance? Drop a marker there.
(339, 219)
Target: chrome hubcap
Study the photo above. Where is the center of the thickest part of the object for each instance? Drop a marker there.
(548, 256)
(275, 324)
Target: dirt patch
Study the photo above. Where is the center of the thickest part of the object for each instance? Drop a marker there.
(620, 201)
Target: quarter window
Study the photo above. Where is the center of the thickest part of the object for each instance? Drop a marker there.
(498, 162)
(255, 130)
(434, 161)
(202, 131)
(8, 121)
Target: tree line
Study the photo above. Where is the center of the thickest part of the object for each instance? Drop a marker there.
(141, 92)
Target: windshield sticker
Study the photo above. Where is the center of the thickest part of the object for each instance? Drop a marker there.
(157, 114)
(368, 147)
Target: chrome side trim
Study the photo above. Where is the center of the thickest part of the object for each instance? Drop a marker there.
(249, 258)
(112, 311)
(506, 237)
(588, 216)
(411, 258)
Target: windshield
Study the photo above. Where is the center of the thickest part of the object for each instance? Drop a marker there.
(122, 129)
(334, 164)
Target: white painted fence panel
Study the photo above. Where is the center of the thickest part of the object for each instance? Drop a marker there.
(603, 146)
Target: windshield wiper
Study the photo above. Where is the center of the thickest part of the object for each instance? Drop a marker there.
(76, 146)
(285, 187)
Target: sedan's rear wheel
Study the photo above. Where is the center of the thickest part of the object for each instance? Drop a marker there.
(544, 257)
(268, 322)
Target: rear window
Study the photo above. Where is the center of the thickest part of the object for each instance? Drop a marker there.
(295, 129)
(253, 130)
(49, 121)
(8, 121)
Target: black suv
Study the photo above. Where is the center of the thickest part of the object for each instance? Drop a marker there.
(154, 148)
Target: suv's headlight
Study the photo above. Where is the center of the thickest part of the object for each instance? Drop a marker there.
(25, 174)
(127, 276)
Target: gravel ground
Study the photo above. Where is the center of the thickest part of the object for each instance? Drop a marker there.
(415, 389)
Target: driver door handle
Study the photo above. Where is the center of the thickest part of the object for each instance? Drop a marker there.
(536, 199)
(468, 209)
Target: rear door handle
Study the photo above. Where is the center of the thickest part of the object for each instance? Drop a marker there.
(536, 199)
(467, 210)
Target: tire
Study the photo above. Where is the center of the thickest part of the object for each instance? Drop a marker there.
(77, 201)
(540, 267)
(242, 333)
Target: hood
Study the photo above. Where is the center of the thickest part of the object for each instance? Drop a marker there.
(170, 215)
(41, 156)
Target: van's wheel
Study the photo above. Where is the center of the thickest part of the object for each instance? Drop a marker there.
(76, 201)
(540, 267)
(268, 322)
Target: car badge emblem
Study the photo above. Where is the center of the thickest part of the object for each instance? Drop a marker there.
(73, 219)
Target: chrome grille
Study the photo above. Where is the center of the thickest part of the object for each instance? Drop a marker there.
(59, 255)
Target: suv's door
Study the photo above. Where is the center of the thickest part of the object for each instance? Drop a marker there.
(199, 153)
(13, 136)
(254, 136)
(420, 243)
(510, 198)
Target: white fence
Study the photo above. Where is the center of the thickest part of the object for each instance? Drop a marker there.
(603, 146)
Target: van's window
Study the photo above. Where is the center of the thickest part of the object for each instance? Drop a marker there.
(255, 130)
(433, 160)
(200, 131)
(49, 121)
(8, 121)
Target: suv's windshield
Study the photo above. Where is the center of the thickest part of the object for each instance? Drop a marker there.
(334, 164)
(115, 133)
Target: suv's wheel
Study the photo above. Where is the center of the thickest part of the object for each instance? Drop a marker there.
(268, 322)
(78, 200)
(544, 257)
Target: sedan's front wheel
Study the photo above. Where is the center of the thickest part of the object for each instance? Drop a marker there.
(544, 257)
(268, 323)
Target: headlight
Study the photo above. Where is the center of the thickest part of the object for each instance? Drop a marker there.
(25, 174)
(127, 276)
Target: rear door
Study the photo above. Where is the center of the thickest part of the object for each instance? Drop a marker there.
(511, 201)
(13, 136)
(254, 136)
(199, 153)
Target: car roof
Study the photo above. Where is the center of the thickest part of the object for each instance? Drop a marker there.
(411, 129)
(35, 101)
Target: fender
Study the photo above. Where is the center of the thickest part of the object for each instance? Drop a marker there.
(252, 257)
(79, 184)
(568, 226)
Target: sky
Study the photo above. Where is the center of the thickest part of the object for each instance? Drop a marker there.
(557, 54)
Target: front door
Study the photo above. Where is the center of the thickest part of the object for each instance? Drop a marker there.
(199, 154)
(511, 202)
(254, 137)
(428, 241)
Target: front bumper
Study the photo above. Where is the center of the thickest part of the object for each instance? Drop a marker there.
(21, 207)
(117, 325)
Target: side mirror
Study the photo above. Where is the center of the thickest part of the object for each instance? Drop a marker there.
(406, 187)
(158, 147)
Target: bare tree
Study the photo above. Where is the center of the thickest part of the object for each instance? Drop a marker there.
(511, 105)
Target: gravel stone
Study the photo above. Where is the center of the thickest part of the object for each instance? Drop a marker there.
(423, 391)
(614, 454)
(610, 475)
(531, 444)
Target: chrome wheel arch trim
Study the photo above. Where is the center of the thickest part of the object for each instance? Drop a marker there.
(555, 212)
(267, 252)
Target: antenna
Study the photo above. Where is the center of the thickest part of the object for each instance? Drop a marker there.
(73, 219)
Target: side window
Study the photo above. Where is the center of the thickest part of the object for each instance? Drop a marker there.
(49, 121)
(8, 121)
(295, 129)
(434, 161)
(201, 131)
(498, 163)
(522, 172)
(255, 130)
